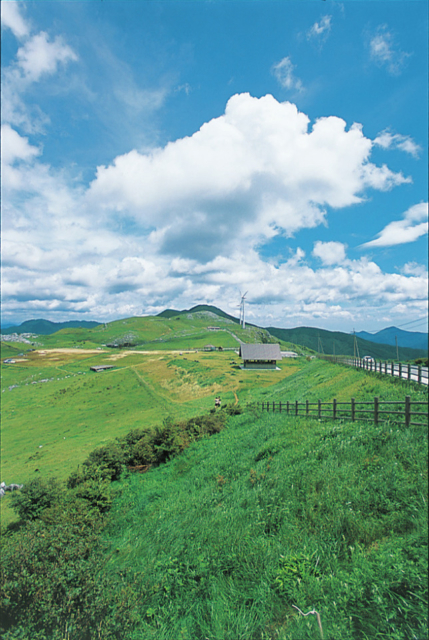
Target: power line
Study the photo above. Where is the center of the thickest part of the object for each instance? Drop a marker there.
(398, 326)
(424, 318)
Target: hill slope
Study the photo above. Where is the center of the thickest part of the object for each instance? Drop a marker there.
(200, 309)
(327, 342)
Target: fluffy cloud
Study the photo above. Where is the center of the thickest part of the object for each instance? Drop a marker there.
(388, 140)
(330, 252)
(413, 225)
(384, 51)
(181, 225)
(12, 19)
(244, 177)
(283, 71)
(15, 147)
(39, 56)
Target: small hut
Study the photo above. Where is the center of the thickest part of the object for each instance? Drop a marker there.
(260, 356)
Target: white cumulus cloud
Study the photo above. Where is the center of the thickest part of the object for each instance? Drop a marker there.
(15, 147)
(330, 252)
(255, 172)
(39, 56)
(413, 225)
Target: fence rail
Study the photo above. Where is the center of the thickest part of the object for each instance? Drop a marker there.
(413, 372)
(376, 410)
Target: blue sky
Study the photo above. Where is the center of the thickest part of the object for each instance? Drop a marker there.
(163, 154)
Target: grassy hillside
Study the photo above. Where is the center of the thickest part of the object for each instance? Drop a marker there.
(271, 514)
(233, 537)
(55, 410)
(182, 332)
(328, 342)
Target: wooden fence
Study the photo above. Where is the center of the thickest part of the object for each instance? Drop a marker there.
(405, 371)
(376, 411)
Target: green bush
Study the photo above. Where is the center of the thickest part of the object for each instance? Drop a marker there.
(36, 496)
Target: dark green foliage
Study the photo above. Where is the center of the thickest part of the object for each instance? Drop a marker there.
(52, 587)
(35, 497)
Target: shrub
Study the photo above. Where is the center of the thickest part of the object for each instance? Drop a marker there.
(108, 460)
(35, 497)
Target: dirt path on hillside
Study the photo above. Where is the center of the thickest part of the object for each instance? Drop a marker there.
(44, 352)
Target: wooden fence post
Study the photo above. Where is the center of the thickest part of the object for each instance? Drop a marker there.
(306, 407)
(408, 371)
(296, 407)
(400, 370)
(353, 409)
(334, 408)
(280, 406)
(274, 407)
(376, 410)
(407, 410)
(419, 375)
(319, 409)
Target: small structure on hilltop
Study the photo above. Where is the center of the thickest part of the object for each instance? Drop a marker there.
(209, 347)
(289, 354)
(260, 356)
(102, 367)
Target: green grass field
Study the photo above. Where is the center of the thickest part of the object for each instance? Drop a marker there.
(231, 538)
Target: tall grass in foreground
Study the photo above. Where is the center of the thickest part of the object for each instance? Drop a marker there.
(225, 541)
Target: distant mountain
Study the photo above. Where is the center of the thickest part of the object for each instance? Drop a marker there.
(330, 342)
(411, 339)
(46, 327)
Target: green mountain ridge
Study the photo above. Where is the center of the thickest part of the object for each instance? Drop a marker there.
(46, 327)
(338, 343)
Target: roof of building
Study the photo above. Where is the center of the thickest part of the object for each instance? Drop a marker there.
(260, 352)
(102, 367)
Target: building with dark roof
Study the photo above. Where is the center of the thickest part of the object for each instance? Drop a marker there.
(260, 356)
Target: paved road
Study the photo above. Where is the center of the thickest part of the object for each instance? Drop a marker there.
(395, 369)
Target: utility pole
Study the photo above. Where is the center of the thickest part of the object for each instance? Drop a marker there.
(355, 346)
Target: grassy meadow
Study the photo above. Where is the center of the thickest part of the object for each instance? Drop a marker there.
(245, 518)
